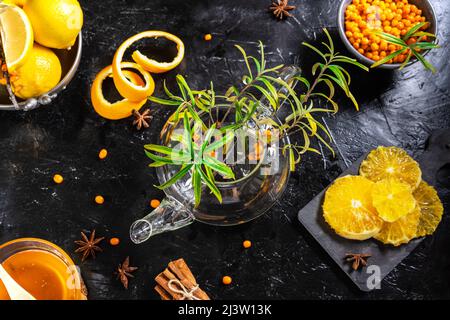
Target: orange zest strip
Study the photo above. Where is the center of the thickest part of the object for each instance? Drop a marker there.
(148, 64)
(120, 109)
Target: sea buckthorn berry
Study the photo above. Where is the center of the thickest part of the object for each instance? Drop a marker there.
(57, 178)
(207, 37)
(99, 199)
(103, 154)
(154, 203)
(247, 244)
(226, 280)
(114, 241)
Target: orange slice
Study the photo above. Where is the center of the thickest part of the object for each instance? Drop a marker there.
(431, 209)
(128, 89)
(348, 208)
(17, 35)
(393, 199)
(401, 231)
(120, 109)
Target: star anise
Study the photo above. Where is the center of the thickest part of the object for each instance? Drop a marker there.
(88, 246)
(124, 271)
(142, 119)
(281, 9)
(358, 259)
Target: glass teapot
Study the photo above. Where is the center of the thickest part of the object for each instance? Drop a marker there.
(258, 183)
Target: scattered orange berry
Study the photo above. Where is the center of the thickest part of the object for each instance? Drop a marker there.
(226, 280)
(208, 37)
(103, 154)
(247, 244)
(99, 200)
(58, 178)
(114, 241)
(155, 203)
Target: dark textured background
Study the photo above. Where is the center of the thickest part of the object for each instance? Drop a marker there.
(397, 108)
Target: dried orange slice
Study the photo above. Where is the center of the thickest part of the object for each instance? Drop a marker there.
(401, 231)
(391, 162)
(393, 199)
(128, 89)
(121, 109)
(348, 208)
(431, 209)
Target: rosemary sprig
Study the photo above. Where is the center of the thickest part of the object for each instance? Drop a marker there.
(260, 97)
(411, 49)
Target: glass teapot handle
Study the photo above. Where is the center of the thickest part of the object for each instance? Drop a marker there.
(168, 216)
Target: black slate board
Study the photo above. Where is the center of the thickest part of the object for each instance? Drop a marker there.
(384, 258)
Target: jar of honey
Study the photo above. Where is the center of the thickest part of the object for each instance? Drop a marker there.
(41, 268)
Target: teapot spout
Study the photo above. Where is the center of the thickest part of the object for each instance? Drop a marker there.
(169, 216)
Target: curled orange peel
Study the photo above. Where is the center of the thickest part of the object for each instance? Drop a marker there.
(120, 109)
(126, 88)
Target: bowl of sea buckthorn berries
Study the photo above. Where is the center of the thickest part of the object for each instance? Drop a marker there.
(387, 33)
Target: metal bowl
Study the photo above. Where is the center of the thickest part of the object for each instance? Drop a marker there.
(70, 60)
(427, 11)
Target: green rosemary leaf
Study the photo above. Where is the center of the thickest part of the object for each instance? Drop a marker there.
(315, 50)
(180, 174)
(257, 63)
(218, 166)
(187, 135)
(333, 103)
(182, 82)
(387, 58)
(244, 54)
(208, 136)
(156, 158)
(213, 95)
(158, 148)
(170, 94)
(197, 185)
(291, 160)
(157, 164)
(423, 34)
(304, 81)
(339, 75)
(315, 66)
(330, 41)
(219, 143)
(412, 30)
(348, 60)
(263, 58)
(392, 39)
(426, 64)
(330, 87)
(344, 72)
(164, 101)
(424, 45)
(271, 100)
(406, 60)
(209, 183)
(271, 89)
(339, 81)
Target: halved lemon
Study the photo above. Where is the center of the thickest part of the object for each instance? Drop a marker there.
(17, 36)
(131, 91)
(348, 208)
(120, 109)
(401, 231)
(391, 162)
(392, 199)
(431, 209)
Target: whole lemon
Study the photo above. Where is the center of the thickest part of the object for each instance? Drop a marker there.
(15, 2)
(40, 73)
(56, 23)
